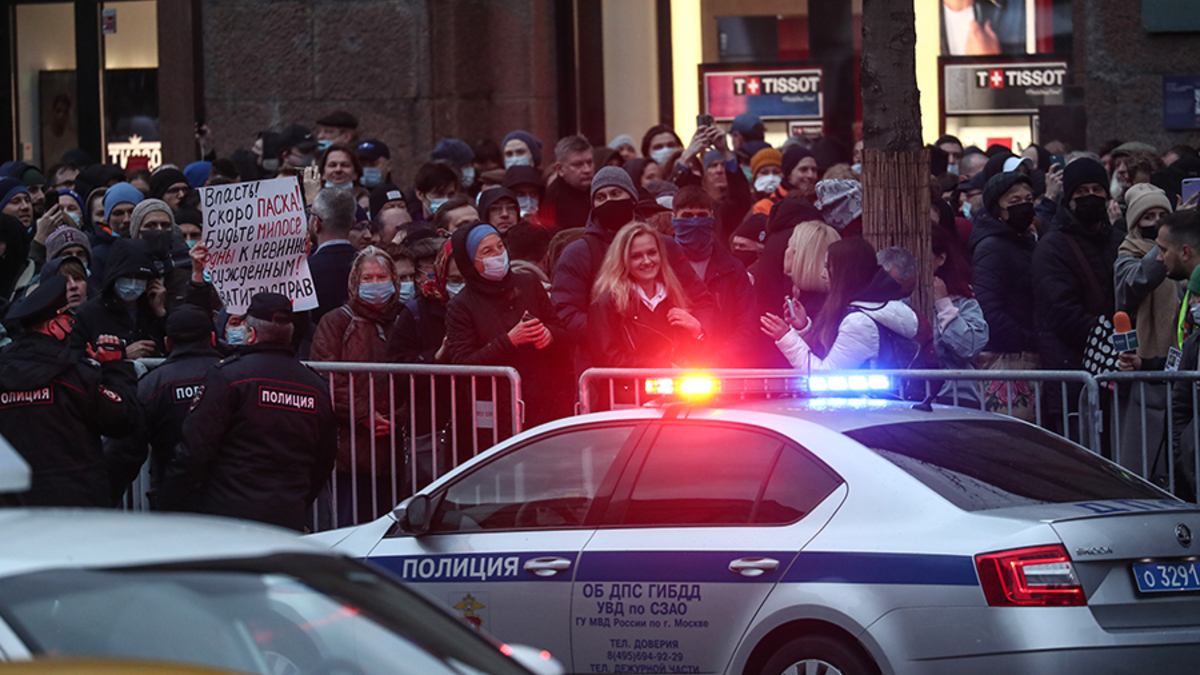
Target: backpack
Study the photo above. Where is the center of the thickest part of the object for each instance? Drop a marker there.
(897, 352)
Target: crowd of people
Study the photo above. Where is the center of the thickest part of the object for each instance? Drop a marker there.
(725, 252)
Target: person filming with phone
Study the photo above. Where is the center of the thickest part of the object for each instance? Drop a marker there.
(709, 163)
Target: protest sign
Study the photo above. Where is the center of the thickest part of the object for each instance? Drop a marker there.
(255, 234)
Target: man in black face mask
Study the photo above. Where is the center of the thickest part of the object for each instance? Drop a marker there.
(154, 222)
(613, 200)
(1073, 267)
(1001, 259)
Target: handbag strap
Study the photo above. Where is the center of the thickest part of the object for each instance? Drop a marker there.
(1094, 284)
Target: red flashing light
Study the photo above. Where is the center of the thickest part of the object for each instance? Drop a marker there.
(506, 650)
(1040, 576)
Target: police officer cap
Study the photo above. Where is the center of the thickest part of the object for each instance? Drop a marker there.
(42, 304)
(189, 323)
(271, 307)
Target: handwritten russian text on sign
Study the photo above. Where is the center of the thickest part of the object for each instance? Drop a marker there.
(255, 234)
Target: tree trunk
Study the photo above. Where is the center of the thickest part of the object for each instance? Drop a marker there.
(896, 176)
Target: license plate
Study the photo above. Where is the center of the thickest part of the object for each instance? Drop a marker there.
(1167, 577)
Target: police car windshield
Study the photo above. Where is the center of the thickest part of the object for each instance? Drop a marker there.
(992, 464)
(278, 614)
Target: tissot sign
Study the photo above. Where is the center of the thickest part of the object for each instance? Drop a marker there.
(772, 94)
(1017, 87)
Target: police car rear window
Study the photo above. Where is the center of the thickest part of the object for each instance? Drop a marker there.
(992, 464)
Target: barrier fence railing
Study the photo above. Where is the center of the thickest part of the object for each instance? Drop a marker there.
(414, 423)
(1029, 394)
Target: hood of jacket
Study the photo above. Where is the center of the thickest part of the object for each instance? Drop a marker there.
(895, 315)
(128, 258)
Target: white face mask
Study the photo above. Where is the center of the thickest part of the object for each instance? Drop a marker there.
(468, 176)
(495, 267)
(529, 206)
(660, 155)
(521, 160)
(435, 203)
(455, 289)
(372, 176)
(952, 168)
(767, 183)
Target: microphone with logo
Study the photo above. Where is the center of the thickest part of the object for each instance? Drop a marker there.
(1125, 337)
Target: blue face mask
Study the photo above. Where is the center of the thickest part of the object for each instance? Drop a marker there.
(376, 294)
(324, 144)
(695, 235)
(468, 176)
(339, 186)
(236, 336)
(129, 289)
(372, 176)
(435, 203)
(455, 288)
(408, 291)
(966, 209)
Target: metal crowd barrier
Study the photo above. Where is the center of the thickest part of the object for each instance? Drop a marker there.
(1075, 416)
(463, 409)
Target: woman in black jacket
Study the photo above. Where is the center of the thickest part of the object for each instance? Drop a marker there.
(639, 315)
(504, 318)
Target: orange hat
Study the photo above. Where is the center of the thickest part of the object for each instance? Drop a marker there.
(765, 157)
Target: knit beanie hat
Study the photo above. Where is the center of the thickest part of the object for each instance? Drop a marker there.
(121, 193)
(475, 238)
(535, 146)
(197, 173)
(63, 237)
(9, 188)
(163, 179)
(452, 151)
(765, 157)
(998, 186)
(1081, 172)
(623, 139)
(1141, 198)
(711, 156)
(792, 157)
(613, 175)
(145, 207)
(73, 195)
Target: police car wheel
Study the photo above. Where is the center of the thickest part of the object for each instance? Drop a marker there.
(819, 655)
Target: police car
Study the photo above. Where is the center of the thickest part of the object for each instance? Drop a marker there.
(217, 593)
(804, 535)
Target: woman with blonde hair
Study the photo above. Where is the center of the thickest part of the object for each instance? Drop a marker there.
(639, 315)
(804, 263)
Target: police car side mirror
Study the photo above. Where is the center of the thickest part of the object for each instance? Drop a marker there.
(416, 515)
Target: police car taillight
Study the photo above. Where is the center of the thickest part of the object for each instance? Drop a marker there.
(1040, 576)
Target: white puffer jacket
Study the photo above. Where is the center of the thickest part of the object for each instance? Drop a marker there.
(857, 340)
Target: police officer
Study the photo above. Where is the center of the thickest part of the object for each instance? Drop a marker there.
(166, 394)
(262, 436)
(54, 405)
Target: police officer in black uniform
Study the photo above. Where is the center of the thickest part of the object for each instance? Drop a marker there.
(262, 437)
(56, 404)
(166, 394)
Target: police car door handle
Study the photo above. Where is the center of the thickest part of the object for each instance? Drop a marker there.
(547, 567)
(753, 567)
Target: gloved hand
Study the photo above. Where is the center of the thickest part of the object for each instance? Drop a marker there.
(108, 348)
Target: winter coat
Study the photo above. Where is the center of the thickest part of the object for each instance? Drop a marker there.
(478, 320)
(330, 267)
(565, 206)
(1067, 303)
(1145, 293)
(1002, 263)
(733, 332)
(107, 315)
(358, 333)
(54, 407)
(640, 337)
(857, 342)
(576, 273)
(961, 332)
(261, 439)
